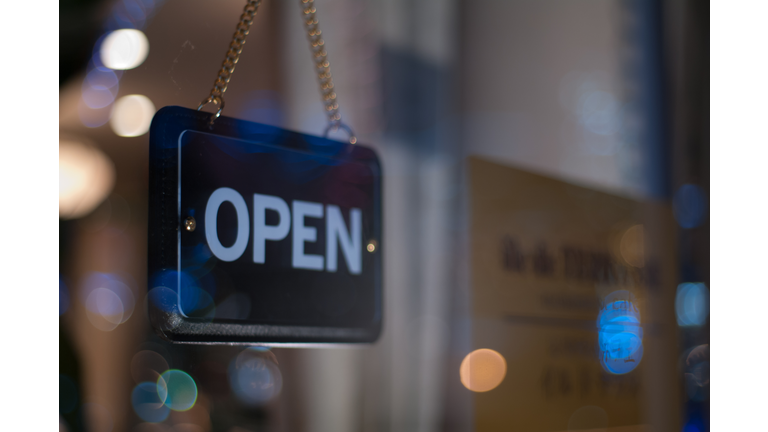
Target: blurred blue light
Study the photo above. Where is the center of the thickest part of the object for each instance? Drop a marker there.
(690, 206)
(91, 117)
(63, 296)
(67, 394)
(130, 14)
(690, 427)
(101, 77)
(692, 304)
(97, 97)
(254, 379)
(177, 390)
(147, 403)
(620, 336)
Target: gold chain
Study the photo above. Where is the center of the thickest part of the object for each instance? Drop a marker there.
(323, 69)
(322, 65)
(232, 57)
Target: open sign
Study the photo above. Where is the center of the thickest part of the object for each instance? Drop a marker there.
(261, 235)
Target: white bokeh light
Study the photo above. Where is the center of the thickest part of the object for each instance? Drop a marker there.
(86, 176)
(124, 49)
(132, 115)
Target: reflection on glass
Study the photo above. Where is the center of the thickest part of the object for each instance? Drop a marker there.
(482, 370)
(692, 304)
(619, 333)
(254, 377)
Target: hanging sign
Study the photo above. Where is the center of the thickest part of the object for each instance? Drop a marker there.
(261, 235)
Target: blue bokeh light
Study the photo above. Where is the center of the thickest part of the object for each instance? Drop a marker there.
(147, 403)
(692, 304)
(254, 378)
(620, 336)
(114, 283)
(690, 206)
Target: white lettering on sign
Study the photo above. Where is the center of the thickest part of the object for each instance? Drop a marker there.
(336, 232)
(263, 232)
(301, 234)
(215, 201)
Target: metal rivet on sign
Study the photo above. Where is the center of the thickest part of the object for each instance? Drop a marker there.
(190, 224)
(371, 246)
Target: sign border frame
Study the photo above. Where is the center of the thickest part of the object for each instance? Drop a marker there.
(164, 230)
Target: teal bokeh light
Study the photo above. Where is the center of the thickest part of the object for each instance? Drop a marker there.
(177, 390)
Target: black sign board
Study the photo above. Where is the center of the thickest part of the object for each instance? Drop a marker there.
(261, 235)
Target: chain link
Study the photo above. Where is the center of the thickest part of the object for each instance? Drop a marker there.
(320, 57)
(323, 69)
(231, 59)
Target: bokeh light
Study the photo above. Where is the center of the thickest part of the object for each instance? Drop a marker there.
(67, 394)
(147, 403)
(147, 365)
(632, 246)
(482, 370)
(100, 87)
(692, 304)
(254, 377)
(690, 206)
(104, 309)
(132, 115)
(108, 300)
(177, 390)
(124, 49)
(86, 176)
(620, 336)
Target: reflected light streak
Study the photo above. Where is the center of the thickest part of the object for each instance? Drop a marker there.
(482, 370)
(86, 176)
(124, 49)
(132, 115)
